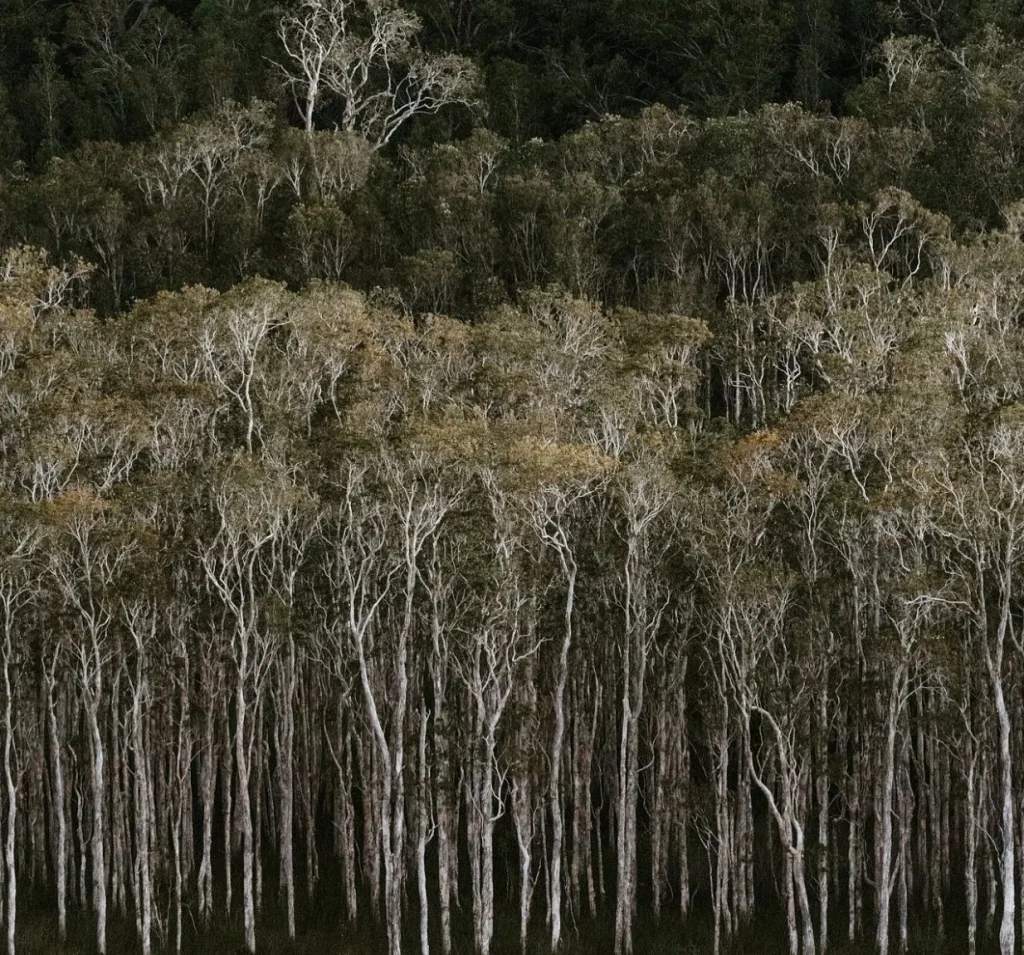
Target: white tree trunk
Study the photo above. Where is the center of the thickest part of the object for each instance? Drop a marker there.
(885, 877)
(227, 792)
(555, 782)
(422, 834)
(1007, 925)
(971, 850)
(245, 814)
(58, 805)
(11, 783)
(822, 796)
(142, 833)
(286, 780)
(208, 760)
(522, 817)
(99, 868)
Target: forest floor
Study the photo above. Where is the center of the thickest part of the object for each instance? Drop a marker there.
(37, 935)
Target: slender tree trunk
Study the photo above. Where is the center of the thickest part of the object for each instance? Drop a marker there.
(80, 805)
(904, 816)
(389, 810)
(263, 801)
(808, 945)
(286, 780)
(935, 804)
(822, 796)
(245, 811)
(489, 817)
(99, 868)
(11, 783)
(1007, 925)
(422, 834)
(522, 817)
(348, 854)
(625, 849)
(660, 830)
(683, 794)
(207, 783)
(885, 880)
(310, 783)
(182, 827)
(58, 805)
(227, 773)
(723, 841)
(557, 742)
(116, 808)
(743, 838)
(142, 833)
(789, 901)
(442, 803)
(971, 849)
(854, 848)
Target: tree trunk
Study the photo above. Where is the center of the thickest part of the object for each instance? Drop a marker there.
(226, 776)
(557, 742)
(208, 757)
(422, 834)
(58, 809)
(822, 796)
(142, 833)
(285, 739)
(885, 877)
(11, 783)
(522, 817)
(1007, 925)
(99, 868)
(971, 849)
(244, 810)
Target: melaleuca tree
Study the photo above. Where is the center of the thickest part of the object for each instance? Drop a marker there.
(16, 586)
(246, 564)
(87, 549)
(553, 509)
(642, 597)
(365, 56)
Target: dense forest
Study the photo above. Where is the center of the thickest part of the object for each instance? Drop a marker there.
(512, 476)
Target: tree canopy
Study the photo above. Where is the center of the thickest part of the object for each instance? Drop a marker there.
(485, 474)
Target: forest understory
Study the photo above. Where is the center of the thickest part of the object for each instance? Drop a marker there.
(323, 933)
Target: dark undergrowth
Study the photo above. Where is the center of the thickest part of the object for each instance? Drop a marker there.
(323, 934)
(323, 929)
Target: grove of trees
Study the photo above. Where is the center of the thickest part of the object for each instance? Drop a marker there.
(511, 472)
